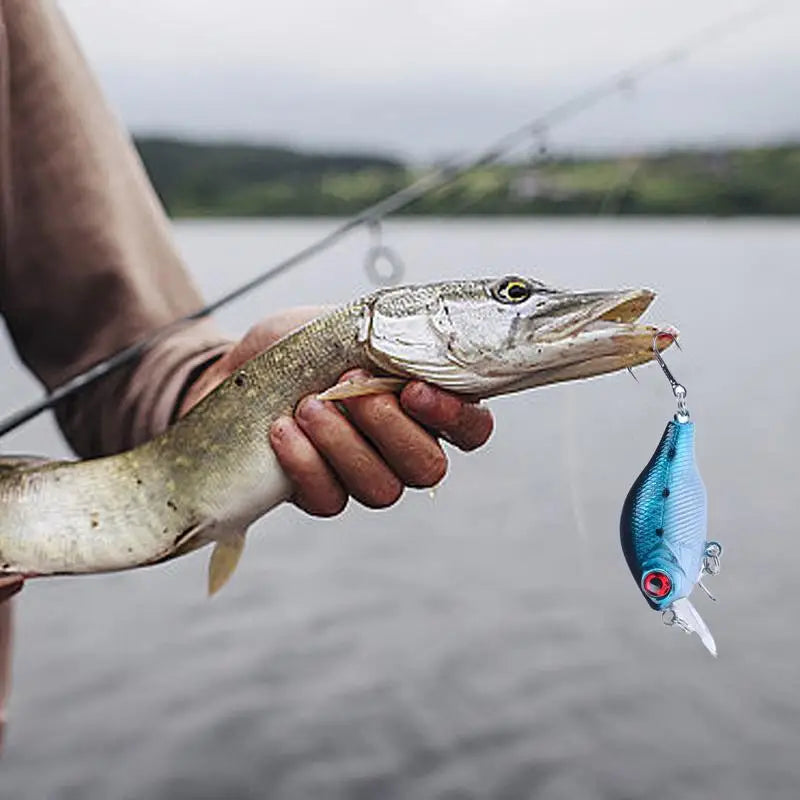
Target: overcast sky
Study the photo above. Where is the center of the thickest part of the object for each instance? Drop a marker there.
(424, 78)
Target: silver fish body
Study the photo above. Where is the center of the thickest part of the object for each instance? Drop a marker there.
(213, 473)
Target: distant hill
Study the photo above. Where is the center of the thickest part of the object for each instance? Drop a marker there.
(203, 176)
(246, 180)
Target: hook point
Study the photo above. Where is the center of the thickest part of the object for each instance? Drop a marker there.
(677, 389)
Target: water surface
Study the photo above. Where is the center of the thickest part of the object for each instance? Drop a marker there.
(488, 643)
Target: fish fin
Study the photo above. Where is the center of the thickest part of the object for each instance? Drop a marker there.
(451, 376)
(362, 387)
(226, 555)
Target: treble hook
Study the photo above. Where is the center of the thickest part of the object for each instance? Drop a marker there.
(678, 389)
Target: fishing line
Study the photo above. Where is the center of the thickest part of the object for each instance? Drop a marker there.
(443, 175)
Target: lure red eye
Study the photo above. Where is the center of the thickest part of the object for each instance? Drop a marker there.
(657, 584)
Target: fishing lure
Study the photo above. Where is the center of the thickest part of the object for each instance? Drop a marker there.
(664, 521)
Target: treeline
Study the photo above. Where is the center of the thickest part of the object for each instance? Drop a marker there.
(244, 180)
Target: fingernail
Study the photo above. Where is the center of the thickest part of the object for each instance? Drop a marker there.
(309, 408)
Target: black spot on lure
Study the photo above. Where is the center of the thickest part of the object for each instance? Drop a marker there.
(664, 522)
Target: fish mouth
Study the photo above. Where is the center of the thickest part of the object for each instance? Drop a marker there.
(592, 333)
(576, 312)
(615, 308)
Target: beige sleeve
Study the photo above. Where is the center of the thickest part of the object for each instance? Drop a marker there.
(87, 265)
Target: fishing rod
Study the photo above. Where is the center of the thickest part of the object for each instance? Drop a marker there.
(439, 177)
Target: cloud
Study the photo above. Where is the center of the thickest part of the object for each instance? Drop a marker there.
(423, 77)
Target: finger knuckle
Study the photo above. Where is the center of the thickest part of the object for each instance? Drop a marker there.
(472, 429)
(430, 470)
(329, 506)
(480, 432)
(299, 462)
(380, 411)
(382, 494)
(432, 407)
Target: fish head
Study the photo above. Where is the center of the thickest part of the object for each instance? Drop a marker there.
(493, 336)
(663, 581)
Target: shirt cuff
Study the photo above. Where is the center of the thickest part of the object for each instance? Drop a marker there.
(127, 408)
(166, 372)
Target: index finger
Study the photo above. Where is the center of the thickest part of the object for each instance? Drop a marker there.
(466, 425)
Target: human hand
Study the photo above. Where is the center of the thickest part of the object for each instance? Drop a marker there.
(381, 443)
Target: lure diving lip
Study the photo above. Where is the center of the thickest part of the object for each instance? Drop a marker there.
(664, 522)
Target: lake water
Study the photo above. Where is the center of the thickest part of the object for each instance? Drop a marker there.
(489, 642)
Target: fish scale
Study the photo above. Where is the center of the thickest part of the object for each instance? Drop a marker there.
(682, 514)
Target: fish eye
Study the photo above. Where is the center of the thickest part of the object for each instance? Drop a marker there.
(656, 584)
(512, 290)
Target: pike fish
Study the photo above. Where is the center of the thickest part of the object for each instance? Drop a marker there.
(213, 473)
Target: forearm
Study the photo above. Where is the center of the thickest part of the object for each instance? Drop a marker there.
(89, 266)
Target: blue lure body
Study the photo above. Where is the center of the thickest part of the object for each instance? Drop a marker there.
(663, 530)
(664, 518)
